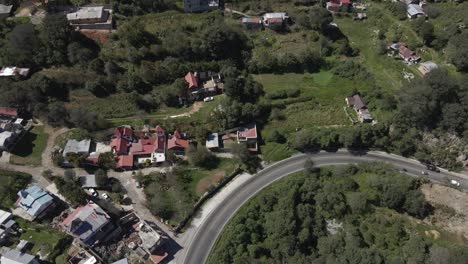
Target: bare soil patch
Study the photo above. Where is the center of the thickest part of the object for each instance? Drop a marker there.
(206, 182)
(451, 209)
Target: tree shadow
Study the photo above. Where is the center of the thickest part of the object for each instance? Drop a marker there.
(26, 145)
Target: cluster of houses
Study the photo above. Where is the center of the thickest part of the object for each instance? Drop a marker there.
(401, 51)
(130, 147)
(150, 146)
(89, 225)
(12, 128)
(275, 21)
(360, 107)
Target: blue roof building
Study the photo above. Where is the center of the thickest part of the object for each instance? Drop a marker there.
(34, 200)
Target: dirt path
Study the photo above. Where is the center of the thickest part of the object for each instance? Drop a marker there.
(46, 160)
(195, 108)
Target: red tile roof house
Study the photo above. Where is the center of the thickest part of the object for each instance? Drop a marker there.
(177, 143)
(202, 84)
(131, 149)
(405, 53)
(8, 113)
(248, 134)
(338, 5)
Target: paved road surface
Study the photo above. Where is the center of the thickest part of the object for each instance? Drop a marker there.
(200, 246)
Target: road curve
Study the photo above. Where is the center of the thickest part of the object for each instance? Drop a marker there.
(201, 245)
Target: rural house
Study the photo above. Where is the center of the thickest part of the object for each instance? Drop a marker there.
(13, 256)
(89, 224)
(14, 71)
(5, 11)
(35, 201)
(400, 50)
(243, 135)
(11, 128)
(76, 147)
(203, 84)
(252, 22)
(6, 225)
(338, 5)
(248, 135)
(142, 147)
(274, 20)
(177, 143)
(192, 6)
(360, 107)
(91, 17)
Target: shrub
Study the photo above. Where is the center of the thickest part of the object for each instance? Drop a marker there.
(292, 93)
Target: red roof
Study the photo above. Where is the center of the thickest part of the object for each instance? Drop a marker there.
(120, 145)
(125, 161)
(249, 131)
(345, 1)
(159, 129)
(274, 20)
(406, 52)
(144, 146)
(176, 141)
(8, 111)
(191, 80)
(123, 131)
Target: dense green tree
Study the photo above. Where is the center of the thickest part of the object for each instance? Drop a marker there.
(55, 35)
(21, 46)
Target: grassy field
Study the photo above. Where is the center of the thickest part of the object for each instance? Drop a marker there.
(29, 150)
(46, 240)
(320, 104)
(202, 179)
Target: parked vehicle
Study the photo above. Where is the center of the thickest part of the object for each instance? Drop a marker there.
(208, 99)
(105, 196)
(455, 183)
(424, 173)
(93, 192)
(403, 170)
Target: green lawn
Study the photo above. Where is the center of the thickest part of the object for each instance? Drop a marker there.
(29, 150)
(46, 240)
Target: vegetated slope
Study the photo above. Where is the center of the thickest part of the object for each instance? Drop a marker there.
(337, 215)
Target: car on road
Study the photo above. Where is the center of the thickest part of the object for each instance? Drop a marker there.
(208, 99)
(432, 168)
(403, 170)
(105, 196)
(93, 192)
(455, 183)
(424, 173)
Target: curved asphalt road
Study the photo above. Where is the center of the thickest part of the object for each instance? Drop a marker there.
(208, 232)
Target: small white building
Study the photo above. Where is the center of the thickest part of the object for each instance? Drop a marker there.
(427, 67)
(414, 11)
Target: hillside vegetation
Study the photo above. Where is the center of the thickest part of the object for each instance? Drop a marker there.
(349, 214)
